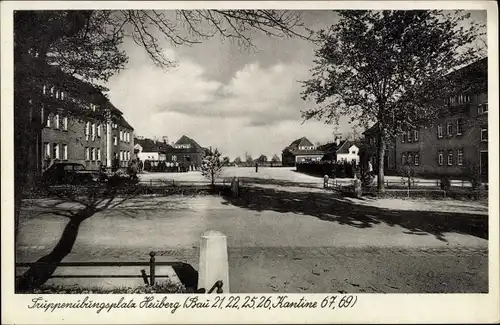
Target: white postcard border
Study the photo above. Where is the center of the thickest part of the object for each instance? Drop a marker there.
(370, 308)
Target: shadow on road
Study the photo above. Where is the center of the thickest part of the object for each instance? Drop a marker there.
(331, 207)
(84, 202)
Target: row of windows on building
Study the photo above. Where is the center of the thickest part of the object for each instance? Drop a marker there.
(413, 158)
(410, 136)
(59, 122)
(56, 93)
(53, 92)
(92, 154)
(450, 158)
(125, 155)
(56, 151)
(459, 129)
(92, 130)
(464, 99)
(413, 136)
(410, 158)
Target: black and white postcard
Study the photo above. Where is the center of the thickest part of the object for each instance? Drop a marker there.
(249, 162)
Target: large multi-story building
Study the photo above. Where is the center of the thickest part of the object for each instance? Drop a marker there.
(77, 124)
(457, 142)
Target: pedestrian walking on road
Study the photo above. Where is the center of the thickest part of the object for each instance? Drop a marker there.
(256, 167)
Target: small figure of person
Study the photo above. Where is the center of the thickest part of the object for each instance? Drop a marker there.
(256, 167)
(141, 165)
(370, 168)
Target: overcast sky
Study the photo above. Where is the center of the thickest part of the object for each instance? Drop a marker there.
(223, 96)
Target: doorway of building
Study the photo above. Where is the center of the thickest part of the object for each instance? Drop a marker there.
(483, 163)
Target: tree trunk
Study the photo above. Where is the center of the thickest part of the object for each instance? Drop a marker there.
(381, 161)
(43, 269)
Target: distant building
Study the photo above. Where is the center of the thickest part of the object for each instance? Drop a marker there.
(330, 149)
(300, 150)
(348, 152)
(369, 151)
(186, 151)
(148, 149)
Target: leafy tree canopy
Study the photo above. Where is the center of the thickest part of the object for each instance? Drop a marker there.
(388, 66)
(212, 164)
(275, 158)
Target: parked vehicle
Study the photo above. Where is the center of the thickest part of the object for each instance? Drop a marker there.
(71, 173)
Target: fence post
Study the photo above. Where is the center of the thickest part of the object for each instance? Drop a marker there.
(235, 187)
(213, 265)
(152, 267)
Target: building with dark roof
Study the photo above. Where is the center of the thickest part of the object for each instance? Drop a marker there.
(77, 122)
(148, 149)
(348, 152)
(300, 150)
(453, 144)
(186, 151)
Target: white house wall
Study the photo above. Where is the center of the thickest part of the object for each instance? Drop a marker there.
(308, 157)
(347, 157)
(148, 156)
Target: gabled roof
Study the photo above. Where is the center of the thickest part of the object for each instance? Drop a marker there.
(302, 142)
(149, 145)
(187, 140)
(344, 148)
(122, 122)
(329, 147)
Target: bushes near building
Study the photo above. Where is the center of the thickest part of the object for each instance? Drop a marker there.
(332, 169)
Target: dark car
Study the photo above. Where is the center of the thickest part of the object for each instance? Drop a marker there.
(71, 173)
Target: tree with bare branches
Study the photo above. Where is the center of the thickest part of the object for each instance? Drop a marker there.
(85, 44)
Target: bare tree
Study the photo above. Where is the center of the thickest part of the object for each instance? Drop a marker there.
(86, 44)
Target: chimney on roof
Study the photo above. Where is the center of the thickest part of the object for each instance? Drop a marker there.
(338, 138)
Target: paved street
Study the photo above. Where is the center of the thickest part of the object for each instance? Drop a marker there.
(287, 238)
